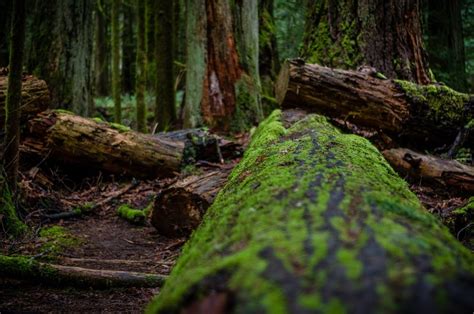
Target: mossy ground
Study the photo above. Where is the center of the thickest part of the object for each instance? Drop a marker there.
(56, 240)
(9, 219)
(311, 220)
(133, 215)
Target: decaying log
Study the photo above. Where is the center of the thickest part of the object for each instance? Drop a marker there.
(430, 116)
(448, 173)
(110, 147)
(34, 97)
(312, 220)
(25, 268)
(179, 209)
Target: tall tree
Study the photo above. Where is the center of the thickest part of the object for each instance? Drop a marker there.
(12, 114)
(60, 51)
(445, 44)
(4, 28)
(165, 108)
(268, 57)
(384, 34)
(150, 42)
(222, 75)
(128, 47)
(116, 88)
(141, 67)
(101, 64)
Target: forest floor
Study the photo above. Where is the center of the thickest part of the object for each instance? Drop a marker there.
(99, 239)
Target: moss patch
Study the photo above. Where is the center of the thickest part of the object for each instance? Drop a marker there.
(56, 239)
(9, 220)
(133, 215)
(120, 127)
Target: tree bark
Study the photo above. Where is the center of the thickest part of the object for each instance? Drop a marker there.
(313, 220)
(128, 64)
(25, 268)
(385, 34)
(165, 104)
(428, 116)
(178, 210)
(116, 79)
(114, 148)
(222, 77)
(34, 97)
(102, 46)
(14, 92)
(141, 67)
(61, 52)
(450, 174)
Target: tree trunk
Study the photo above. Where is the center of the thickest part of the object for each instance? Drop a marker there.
(385, 34)
(34, 98)
(222, 77)
(116, 80)
(114, 148)
(5, 12)
(449, 174)
(178, 210)
(26, 268)
(61, 52)
(445, 44)
(150, 43)
(141, 68)
(128, 48)
(428, 116)
(269, 63)
(165, 108)
(313, 220)
(14, 91)
(102, 47)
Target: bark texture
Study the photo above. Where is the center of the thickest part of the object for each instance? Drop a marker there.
(450, 174)
(61, 52)
(141, 67)
(313, 220)
(116, 77)
(430, 116)
(34, 97)
(222, 78)
(178, 210)
(385, 34)
(102, 47)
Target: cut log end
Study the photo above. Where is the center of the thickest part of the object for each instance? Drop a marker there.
(281, 84)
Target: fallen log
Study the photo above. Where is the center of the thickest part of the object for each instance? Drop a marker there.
(447, 173)
(179, 209)
(313, 220)
(111, 147)
(26, 268)
(34, 97)
(428, 116)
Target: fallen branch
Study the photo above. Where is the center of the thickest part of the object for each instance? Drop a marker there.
(25, 268)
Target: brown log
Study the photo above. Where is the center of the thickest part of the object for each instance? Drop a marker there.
(34, 97)
(447, 173)
(179, 209)
(430, 115)
(113, 148)
(25, 268)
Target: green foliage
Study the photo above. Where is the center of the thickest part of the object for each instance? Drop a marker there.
(289, 26)
(56, 240)
(133, 215)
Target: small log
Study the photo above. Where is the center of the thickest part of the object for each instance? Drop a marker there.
(110, 147)
(178, 210)
(315, 221)
(447, 173)
(25, 268)
(34, 97)
(430, 116)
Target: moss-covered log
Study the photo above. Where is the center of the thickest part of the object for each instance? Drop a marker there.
(26, 268)
(313, 220)
(179, 208)
(431, 115)
(115, 148)
(34, 97)
(450, 174)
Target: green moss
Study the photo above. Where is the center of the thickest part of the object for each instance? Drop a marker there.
(306, 212)
(135, 216)
(63, 111)
(98, 120)
(9, 220)
(56, 239)
(120, 127)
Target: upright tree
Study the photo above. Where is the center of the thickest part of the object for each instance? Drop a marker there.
(384, 34)
(222, 75)
(101, 61)
(116, 88)
(60, 51)
(445, 44)
(141, 67)
(165, 108)
(269, 62)
(12, 114)
(128, 47)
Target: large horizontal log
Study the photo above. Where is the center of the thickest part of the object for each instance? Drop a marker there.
(25, 268)
(113, 148)
(312, 220)
(431, 116)
(34, 97)
(447, 173)
(179, 208)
